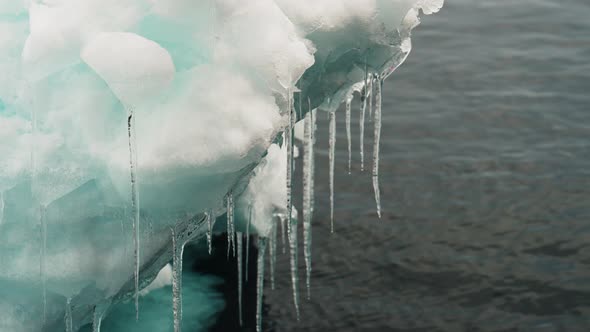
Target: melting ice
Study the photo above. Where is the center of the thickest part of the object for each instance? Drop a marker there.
(182, 104)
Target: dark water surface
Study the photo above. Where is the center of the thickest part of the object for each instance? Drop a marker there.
(485, 182)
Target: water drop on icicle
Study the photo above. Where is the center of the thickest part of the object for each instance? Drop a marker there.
(260, 282)
(209, 217)
(348, 102)
(68, 316)
(240, 275)
(134, 202)
(293, 253)
(248, 240)
(177, 251)
(43, 259)
(307, 189)
(332, 152)
(273, 253)
(377, 139)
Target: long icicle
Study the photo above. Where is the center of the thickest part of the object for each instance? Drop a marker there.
(312, 161)
(362, 121)
(307, 175)
(273, 253)
(289, 142)
(177, 251)
(248, 240)
(371, 90)
(43, 260)
(134, 202)
(230, 221)
(240, 275)
(377, 139)
(209, 217)
(332, 152)
(282, 220)
(348, 104)
(97, 315)
(294, 263)
(69, 321)
(260, 282)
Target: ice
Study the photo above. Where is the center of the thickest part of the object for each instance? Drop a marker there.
(307, 193)
(273, 254)
(209, 216)
(293, 253)
(230, 222)
(176, 102)
(177, 252)
(332, 141)
(239, 238)
(260, 282)
(376, 142)
(248, 238)
(348, 139)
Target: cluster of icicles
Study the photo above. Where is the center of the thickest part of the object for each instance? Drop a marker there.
(370, 93)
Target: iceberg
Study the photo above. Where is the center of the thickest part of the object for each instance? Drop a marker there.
(129, 127)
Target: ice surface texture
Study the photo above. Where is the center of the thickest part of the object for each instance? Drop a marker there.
(126, 118)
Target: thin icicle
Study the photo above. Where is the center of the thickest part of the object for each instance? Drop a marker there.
(230, 222)
(68, 316)
(289, 142)
(294, 263)
(332, 152)
(371, 90)
(97, 315)
(348, 102)
(312, 161)
(307, 189)
(377, 124)
(260, 282)
(248, 240)
(273, 253)
(134, 202)
(362, 123)
(43, 259)
(177, 251)
(209, 217)
(282, 219)
(240, 275)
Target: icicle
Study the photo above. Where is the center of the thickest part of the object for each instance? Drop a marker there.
(294, 274)
(307, 179)
(362, 123)
(209, 217)
(260, 282)
(99, 311)
(134, 201)
(240, 276)
(289, 142)
(282, 219)
(230, 222)
(68, 316)
(248, 240)
(177, 251)
(43, 259)
(377, 124)
(312, 161)
(370, 95)
(273, 253)
(332, 151)
(348, 102)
